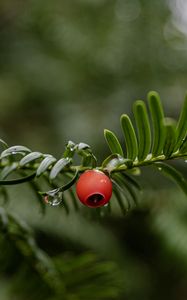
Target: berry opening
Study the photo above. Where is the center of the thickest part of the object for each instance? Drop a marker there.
(95, 200)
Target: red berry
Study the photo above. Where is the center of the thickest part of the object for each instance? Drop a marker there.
(94, 188)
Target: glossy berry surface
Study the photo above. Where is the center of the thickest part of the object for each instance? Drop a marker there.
(94, 188)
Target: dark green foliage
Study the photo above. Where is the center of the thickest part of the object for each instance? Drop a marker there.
(19, 180)
(175, 175)
(183, 147)
(157, 116)
(57, 168)
(163, 143)
(45, 164)
(64, 276)
(182, 125)
(121, 199)
(126, 187)
(8, 170)
(3, 144)
(15, 150)
(130, 137)
(170, 137)
(113, 142)
(143, 128)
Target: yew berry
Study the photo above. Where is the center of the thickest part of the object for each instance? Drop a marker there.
(94, 188)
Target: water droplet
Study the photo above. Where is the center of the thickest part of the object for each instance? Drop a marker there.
(53, 198)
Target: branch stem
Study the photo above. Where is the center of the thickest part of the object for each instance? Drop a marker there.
(148, 161)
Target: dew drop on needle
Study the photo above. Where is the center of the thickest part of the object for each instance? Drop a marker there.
(53, 199)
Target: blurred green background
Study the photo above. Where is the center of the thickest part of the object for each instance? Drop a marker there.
(69, 69)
